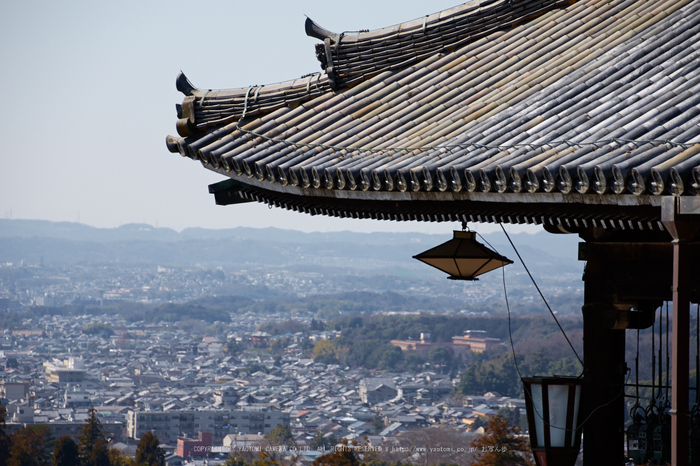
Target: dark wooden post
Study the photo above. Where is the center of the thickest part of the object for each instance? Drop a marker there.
(677, 215)
(680, 410)
(604, 367)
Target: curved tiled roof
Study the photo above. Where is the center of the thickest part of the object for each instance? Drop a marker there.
(348, 58)
(521, 111)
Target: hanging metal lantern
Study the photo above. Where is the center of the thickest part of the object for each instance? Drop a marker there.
(463, 257)
(552, 405)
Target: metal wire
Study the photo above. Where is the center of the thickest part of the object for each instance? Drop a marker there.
(542, 295)
(510, 331)
(517, 369)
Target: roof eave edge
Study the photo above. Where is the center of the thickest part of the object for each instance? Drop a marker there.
(625, 200)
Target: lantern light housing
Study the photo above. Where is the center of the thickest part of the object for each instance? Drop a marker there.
(463, 257)
(552, 405)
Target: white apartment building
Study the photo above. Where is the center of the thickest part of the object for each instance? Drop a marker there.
(169, 425)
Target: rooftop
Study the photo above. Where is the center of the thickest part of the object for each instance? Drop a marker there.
(572, 114)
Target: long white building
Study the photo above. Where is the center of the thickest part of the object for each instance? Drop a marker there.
(169, 425)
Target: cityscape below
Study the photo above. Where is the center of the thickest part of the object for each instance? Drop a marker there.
(211, 346)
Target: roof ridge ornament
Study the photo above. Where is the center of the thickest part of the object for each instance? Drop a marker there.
(183, 84)
(314, 30)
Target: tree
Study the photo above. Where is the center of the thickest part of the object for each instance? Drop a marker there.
(306, 345)
(280, 435)
(117, 459)
(428, 446)
(276, 445)
(99, 455)
(414, 361)
(92, 442)
(352, 454)
(396, 463)
(149, 452)
(501, 446)
(491, 375)
(263, 459)
(233, 347)
(65, 452)
(343, 456)
(99, 328)
(321, 443)
(440, 356)
(236, 461)
(31, 446)
(278, 345)
(481, 421)
(377, 423)
(5, 442)
(316, 325)
(391, 357)
(324, 352)
(514, 416)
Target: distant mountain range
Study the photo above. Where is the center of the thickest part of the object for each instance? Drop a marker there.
(287, 260)
(73, 243)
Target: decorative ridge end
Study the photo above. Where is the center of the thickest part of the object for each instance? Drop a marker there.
(314, 30)
(184, 85)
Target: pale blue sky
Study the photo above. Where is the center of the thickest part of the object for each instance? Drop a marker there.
(89, 97)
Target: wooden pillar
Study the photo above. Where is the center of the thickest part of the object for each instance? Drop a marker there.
(681, 219)
(604, 367)
(680, 410)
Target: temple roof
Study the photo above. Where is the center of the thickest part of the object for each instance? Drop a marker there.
(569, 113)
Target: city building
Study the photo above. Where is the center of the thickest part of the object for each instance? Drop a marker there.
(472, 340)
(475, 340)
(71, 370)
(421, 345)
(14, 390)
(198, 447)
(226, 396)
(378, 390)
(170, 425)
(75, 398)
(238, 441)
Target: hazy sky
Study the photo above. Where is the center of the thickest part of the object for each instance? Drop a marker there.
(89, 97)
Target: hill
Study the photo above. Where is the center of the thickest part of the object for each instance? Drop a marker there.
(334, 262)
(67, 242)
